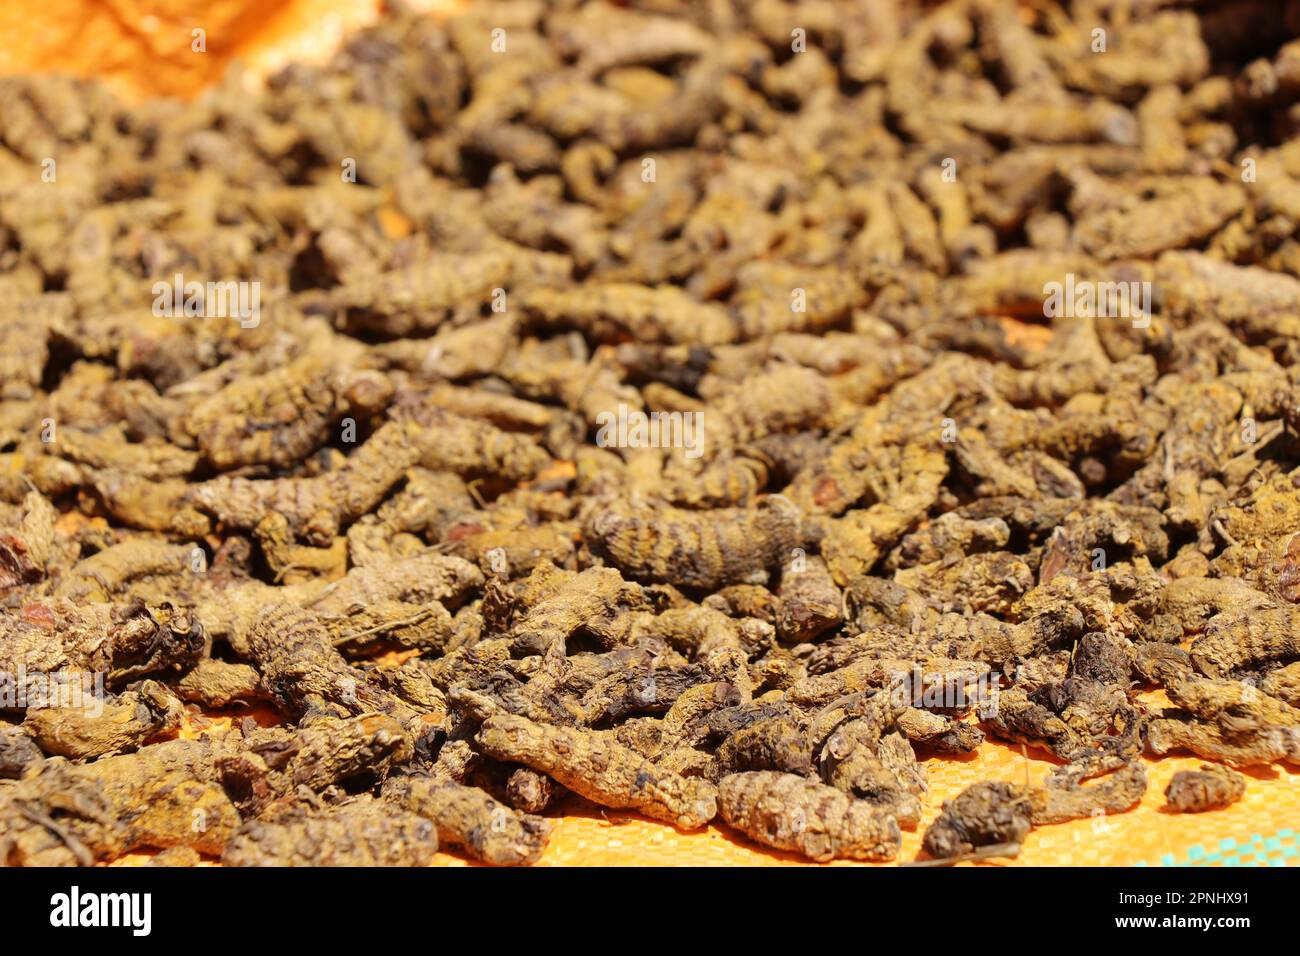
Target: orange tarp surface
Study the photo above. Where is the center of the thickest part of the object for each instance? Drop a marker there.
(145, 48)
(1263, 829)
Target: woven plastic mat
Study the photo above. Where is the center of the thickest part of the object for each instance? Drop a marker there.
(1262, 829)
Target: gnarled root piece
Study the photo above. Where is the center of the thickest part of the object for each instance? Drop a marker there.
(789, 812)
(469, 819)
(995, 812)
(1210, 788)
(985, 813)
(100, 726)
(364, 832)
(1068, 799)
(1226, 721)
(122, 641)
(327, 752)
(593, 765)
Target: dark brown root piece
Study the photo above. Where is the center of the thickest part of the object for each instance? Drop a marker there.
(18, 752)
(1210, 788)
(328, 752)
(984, 814)
(996, 813)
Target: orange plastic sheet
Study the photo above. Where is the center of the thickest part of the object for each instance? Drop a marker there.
(1262, 829)
(144, 48)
